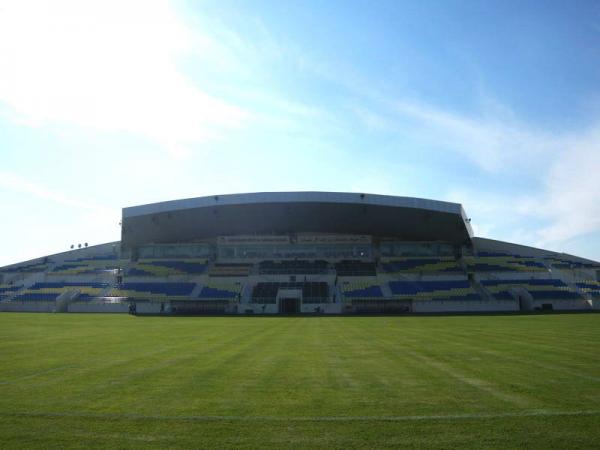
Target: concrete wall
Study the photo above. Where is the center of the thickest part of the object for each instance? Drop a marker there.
(421, 306)
(326, 308)
(92, 307)
(424, 306)
(565, 305)
(27, 306)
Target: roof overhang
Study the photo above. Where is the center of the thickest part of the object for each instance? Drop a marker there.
(187, 220)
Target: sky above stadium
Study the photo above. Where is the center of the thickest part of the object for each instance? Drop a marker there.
(113, 104)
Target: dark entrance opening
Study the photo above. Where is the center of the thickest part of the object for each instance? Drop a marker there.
(525, 302)
(289, 305)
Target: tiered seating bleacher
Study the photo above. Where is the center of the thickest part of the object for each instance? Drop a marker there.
(591, 287)
(562, 263)
(421, 264)
(498, 262)
(221, 291)
(292, 267)
(153, 290)
(459, 290)
(166, 267)
(230, 270)
(542, 289)
(92, 265)
(51, 291)
(7, 290)
(27, 268)
(355, 268)
(312, 291)
(361, 289)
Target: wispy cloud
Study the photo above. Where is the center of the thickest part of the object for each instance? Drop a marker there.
(571, 196)
(492, 143)
(564, 167)
(562, 164)
(13, 182)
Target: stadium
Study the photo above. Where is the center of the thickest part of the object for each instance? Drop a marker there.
(300, 253)
(300, 320)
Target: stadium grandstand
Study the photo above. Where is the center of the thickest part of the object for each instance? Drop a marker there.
(300, 253)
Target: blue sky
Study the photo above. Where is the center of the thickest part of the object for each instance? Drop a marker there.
(112, 104)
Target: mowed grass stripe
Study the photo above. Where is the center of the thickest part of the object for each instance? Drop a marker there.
(255, 382)
(515, 352)
(478, 416)
(456, 369)
(494, 357)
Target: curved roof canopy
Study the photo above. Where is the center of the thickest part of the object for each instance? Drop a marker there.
(200, 218)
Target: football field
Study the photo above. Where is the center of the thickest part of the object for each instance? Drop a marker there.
(74, 380)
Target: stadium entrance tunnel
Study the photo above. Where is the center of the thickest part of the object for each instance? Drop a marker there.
(525, 300)
(289, 305)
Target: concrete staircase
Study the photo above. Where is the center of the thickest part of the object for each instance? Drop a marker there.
(66, 298)
(196, 291)
(485, 295)
(385, 289)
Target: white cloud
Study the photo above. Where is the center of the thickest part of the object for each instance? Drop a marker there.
(110, 66)
(491, 142)
(572, 196)
(564, 166)
(13, 182)
(565, 206)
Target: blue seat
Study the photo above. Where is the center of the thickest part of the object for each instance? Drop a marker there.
(182, 289)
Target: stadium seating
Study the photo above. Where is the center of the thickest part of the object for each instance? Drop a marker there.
(51, 291)
(421, 264)
(27, 268)
(107, 257)
(153, 290)
(230, 270)
(563, 263)
(221, 291)
(540, 289)
(355, 268)
(74, 269)
(312, 292)
(299, 267)
(87, 267)
(166, 267)
(591, 287)
(7, 290)
(361, 289)
(496, 262)
(434, 290)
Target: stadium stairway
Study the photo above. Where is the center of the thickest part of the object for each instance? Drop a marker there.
(27, 283)
(66, 298)
(571, 278)
(246, 296)
(196, 291)
(462, 264)
(485, 295)
(9, 295)
(385, 289)
(112, 283)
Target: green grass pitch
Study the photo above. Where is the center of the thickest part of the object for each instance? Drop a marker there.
(321, 382)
